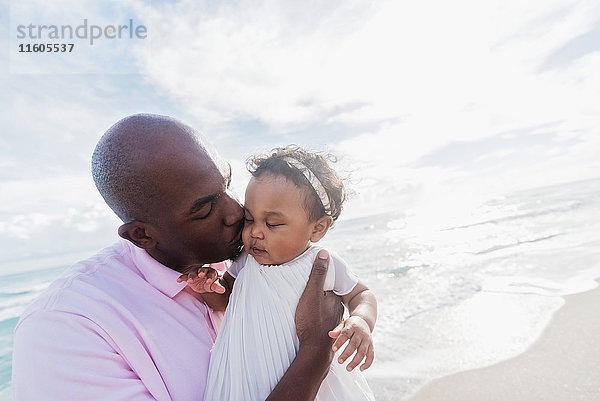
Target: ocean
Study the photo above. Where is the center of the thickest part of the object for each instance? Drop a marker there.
(458, 288)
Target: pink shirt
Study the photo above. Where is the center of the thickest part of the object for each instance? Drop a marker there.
(114, 327)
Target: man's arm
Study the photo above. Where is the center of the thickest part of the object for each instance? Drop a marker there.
(317, 313)
(64, 356)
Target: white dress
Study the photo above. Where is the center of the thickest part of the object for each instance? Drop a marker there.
(257, 340)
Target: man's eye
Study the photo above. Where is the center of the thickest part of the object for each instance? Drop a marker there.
(204, 212)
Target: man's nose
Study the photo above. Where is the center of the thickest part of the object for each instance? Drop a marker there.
(234, 213)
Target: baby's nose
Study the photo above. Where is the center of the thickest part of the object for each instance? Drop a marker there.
(256, 233)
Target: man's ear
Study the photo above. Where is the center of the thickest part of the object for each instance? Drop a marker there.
(320, 228)
(139, 234)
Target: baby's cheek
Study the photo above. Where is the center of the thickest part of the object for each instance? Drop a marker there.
(245, 236)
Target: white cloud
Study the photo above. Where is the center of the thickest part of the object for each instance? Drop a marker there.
(24, 196)
(384, 84)
(290, 65)
(408, 78)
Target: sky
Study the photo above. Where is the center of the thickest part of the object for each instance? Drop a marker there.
(430, 106)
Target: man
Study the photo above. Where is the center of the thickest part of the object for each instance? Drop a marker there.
(119, 326)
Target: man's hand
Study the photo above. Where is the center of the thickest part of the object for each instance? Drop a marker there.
(358, 332)
(318, 312)
(203, 280)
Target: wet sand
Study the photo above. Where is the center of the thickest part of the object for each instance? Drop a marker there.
(563, 365)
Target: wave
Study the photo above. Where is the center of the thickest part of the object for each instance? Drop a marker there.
(561, 209)
(8, 315)
(452, 299)
(513, 244)
(8, 324)
(14, 301)
(17, 289)
(4, 294)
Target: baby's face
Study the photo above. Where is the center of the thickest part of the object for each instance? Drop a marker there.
(277, 227)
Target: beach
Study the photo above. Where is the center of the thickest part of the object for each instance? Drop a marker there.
(501, 294)
(562, 365)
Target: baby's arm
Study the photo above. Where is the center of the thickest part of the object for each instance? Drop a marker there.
(357, 328)
(214, 289)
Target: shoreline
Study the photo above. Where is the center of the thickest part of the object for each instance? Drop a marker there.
(563, 364)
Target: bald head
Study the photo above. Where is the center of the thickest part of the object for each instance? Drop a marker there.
(134, 155)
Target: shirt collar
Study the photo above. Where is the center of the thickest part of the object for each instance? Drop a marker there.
(155, 273)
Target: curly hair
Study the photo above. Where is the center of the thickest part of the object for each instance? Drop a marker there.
(317, 164)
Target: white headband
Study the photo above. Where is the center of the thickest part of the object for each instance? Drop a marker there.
(313, 181)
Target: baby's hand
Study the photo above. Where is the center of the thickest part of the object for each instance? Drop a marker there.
(358, 332)
(205, 279)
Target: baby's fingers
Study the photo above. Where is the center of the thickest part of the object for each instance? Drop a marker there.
(369, 359)
(182, 278)
(342, 336)
(192, 277)
(208, 280)
(336, 332)
(350, 348)
(217, 287)
(361, 352)
(207, 277)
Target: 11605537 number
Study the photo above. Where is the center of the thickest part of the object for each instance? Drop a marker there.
(46, 47)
